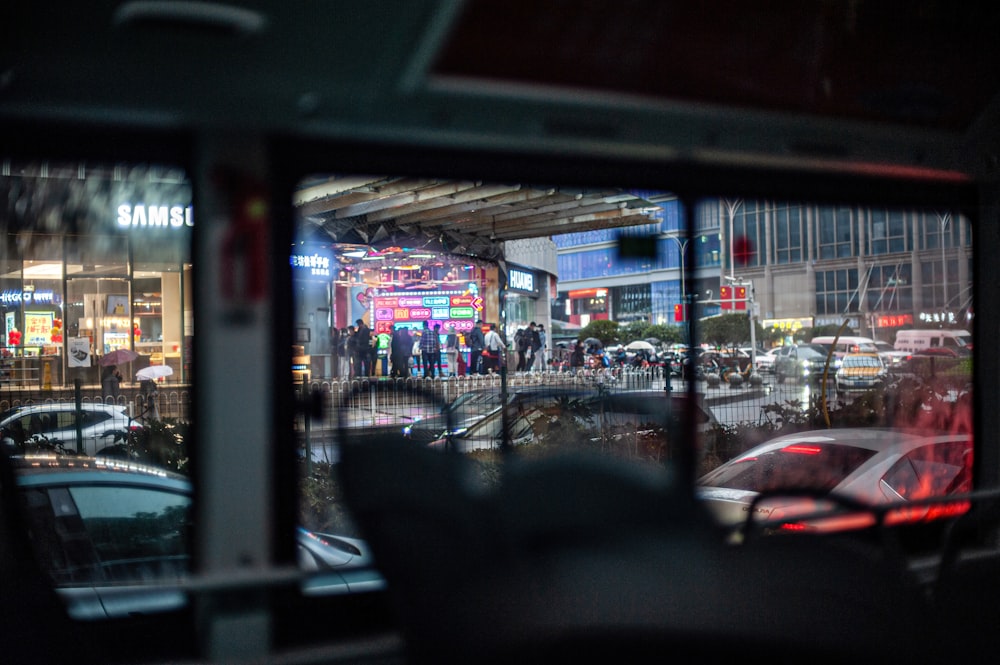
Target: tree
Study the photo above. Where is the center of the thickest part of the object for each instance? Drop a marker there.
(666, 334)
(726, 330)
(632, 331)
(602, 329)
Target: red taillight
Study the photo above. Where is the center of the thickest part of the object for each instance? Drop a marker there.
(789, 526)
(802, 449)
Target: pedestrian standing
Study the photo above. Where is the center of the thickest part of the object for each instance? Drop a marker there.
(362, 349)
(521, 346)
(430, 350)
(111, 380)
(494, 347)
(577, 358)
(534, 345)
(477, 342)
(437, 352)
(344, 354)
(382, 342)
(542, 362)
(399, 349)
(451, 350)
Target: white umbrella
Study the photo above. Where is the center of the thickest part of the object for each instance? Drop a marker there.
(154, 372)
(639, 345)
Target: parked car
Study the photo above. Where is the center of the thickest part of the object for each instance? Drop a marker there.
(805, 362)
(462, 412)
(891, 357)
(593, 419)
(54, 426)
(113, 537)
(765, 360)
(860, 371)
(870, 466)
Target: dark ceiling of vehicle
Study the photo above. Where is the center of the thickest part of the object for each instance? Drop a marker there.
(880, 88)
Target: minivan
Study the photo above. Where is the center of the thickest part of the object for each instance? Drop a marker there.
(918, 340)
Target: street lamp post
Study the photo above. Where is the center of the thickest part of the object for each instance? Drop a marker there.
(682, 251)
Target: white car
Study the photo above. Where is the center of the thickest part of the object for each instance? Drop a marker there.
(800, 473)
(892, 357)
(55, 426)
(765, 360)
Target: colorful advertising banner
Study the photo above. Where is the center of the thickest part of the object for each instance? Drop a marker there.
(37, 328)
(461, 308)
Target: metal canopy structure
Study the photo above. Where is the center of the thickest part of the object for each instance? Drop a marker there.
(462, 217)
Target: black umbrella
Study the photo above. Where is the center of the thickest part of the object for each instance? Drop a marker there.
(593, 341)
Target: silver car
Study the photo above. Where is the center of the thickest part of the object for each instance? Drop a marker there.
(798, 475)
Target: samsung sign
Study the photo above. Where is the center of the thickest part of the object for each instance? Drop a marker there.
(520, 280)
(150, 216)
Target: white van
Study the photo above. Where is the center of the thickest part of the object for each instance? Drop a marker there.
(846, 344)
(918, 340)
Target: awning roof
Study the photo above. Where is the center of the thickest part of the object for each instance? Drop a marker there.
(464, 217)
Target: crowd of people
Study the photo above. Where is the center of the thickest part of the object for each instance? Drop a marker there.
(405, 352)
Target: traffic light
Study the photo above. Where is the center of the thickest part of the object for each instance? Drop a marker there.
(679, 314)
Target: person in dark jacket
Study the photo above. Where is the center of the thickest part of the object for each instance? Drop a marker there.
(430, 349)
(111, 380)
(399, 355)
(477, 342)
(577, 359)
(362, 349)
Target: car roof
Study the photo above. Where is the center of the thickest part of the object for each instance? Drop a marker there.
(878, 439)
(37, 470)
(85, 406)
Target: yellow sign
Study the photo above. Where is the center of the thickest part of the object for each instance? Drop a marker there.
(37, 328)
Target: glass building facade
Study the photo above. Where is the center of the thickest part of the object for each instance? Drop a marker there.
(872, 267)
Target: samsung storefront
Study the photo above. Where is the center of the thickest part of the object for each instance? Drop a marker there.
(96, 260)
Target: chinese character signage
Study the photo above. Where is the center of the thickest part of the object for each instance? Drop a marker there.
(445, 307)
(37, 328)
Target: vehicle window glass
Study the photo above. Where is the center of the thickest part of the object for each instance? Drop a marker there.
(796, 466)
(137, 534)
(96, 282)
(618, 343)
(932, 471)
(61, 544)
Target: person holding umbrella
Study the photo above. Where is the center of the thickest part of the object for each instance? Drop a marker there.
(111, 380)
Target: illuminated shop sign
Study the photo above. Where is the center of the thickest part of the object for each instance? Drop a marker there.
(937, 317)
(891, 320)
(314, 265)
(787, 325)
(10, 296)
(444, 307)
(521, 280)
(152, 216)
